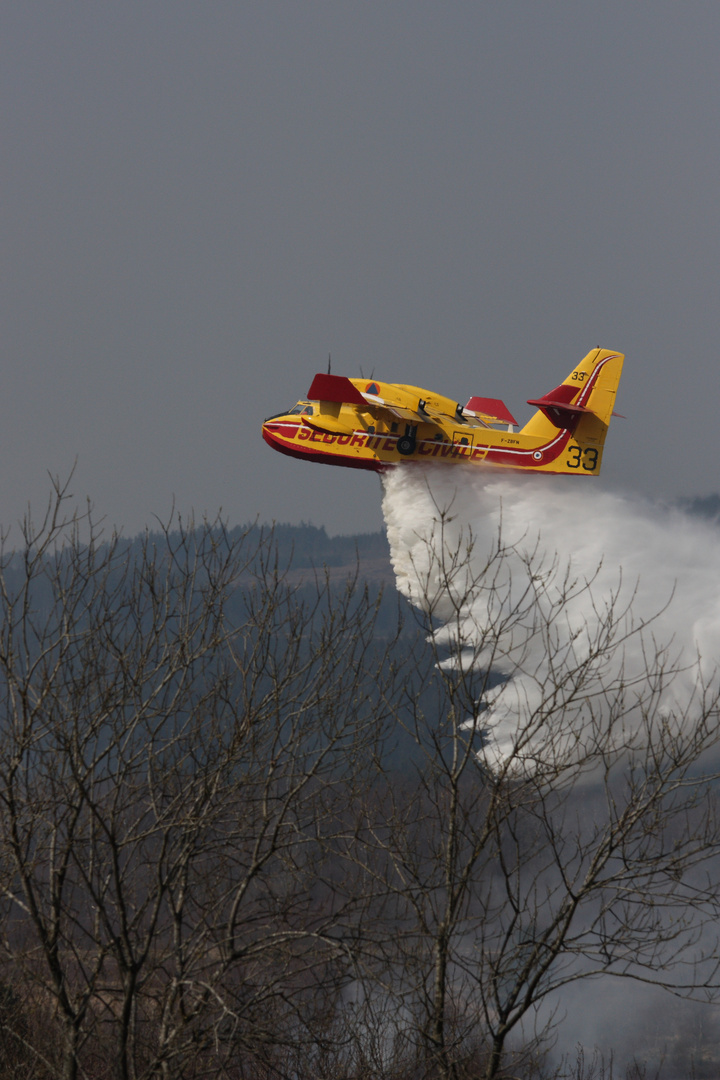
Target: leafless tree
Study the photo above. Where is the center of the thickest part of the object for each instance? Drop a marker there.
(178, 733)
(588, 847)
(212, 865)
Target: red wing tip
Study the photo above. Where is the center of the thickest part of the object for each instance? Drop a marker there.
(492, 407)
(337, 388)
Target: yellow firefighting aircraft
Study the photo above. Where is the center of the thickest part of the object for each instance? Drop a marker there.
(367, 424)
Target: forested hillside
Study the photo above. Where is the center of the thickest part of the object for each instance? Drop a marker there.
(304, 546)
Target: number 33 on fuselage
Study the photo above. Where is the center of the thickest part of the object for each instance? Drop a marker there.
(367, 424)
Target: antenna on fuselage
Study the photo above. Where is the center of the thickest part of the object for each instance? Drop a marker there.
(329, 362)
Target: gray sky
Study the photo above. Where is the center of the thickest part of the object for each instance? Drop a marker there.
(201, 200)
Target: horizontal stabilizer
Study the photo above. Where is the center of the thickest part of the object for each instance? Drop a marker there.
(336, 388)
(557, 407)
(559, 414)
(491, 408)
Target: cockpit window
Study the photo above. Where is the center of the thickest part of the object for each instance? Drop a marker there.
(302, 407)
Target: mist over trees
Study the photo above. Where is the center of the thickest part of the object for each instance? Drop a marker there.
(248, 827)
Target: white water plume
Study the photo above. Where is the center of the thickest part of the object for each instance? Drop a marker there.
(586, 602)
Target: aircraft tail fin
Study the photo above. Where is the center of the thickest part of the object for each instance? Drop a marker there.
(584, 401)
(582, 405)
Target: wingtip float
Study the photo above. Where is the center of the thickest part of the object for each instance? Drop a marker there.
(368, 424)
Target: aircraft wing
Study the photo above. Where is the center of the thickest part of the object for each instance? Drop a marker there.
(490, 410)
(377, 405)
(337, 388)
(340, 390)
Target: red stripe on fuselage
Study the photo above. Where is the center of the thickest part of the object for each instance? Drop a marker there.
(298, 451)
(524, 458)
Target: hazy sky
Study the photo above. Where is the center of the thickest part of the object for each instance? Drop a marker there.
(200, 201)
